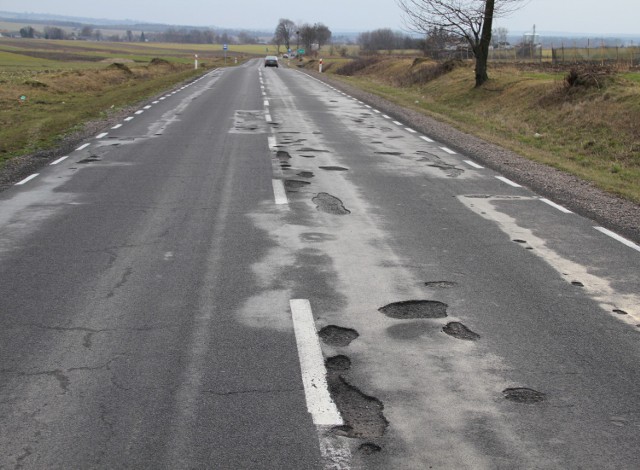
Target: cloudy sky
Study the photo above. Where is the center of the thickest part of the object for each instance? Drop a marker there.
(584, 16)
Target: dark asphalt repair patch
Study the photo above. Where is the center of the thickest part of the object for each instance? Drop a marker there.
(620, 312)
(460, 331)
(395, 154)
(337, 336)
(306, 149)
(411, 309)
(308, 156)
(441, 284)
(325, 202)
(338, 363)
(362, 413)
(524, 395)
(451, 170)
(409, 331)
(334, 168)
(295, 184)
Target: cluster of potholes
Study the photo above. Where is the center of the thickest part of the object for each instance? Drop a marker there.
(363, 414)
(324, 202)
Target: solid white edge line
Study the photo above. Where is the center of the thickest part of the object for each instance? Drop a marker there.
(27, 179)
(556, 206)
(474, 164)
(59, 160)
(617, 237)
(314, 375)
(426, 139)
(508, 181)
(82, 147)
(279, 193)
(448, 150)
(117, 126)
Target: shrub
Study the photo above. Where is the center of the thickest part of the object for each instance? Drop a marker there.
(354, 66)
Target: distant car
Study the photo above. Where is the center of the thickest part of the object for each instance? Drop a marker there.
(271, 61)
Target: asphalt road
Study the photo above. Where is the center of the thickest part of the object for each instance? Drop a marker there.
(162, 288)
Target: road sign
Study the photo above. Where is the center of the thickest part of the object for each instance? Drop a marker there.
(225, 47)
(300, 51)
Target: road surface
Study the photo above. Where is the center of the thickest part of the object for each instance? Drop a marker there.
(256, 270)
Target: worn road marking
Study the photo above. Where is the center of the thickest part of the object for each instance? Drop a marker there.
(266, 102)
(557, 206)
(426, 139)
(408, 129)
(272, 142)
(617, 237)
(117, 126)
(314, 375)
(59, 160)
(448, 150)
(474, 164)
(100, 136)
(279, 192)
(82, 147)
(397, 123)
(139, 112)
(268, 117)
(27, 179)
(508, 181)
(130, 118)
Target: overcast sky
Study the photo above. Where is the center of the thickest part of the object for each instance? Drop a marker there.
(573, 16)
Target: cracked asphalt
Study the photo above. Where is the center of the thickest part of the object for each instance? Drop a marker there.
(465, 321)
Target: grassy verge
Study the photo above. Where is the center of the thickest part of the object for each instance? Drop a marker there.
(589, 131)
(50, 88)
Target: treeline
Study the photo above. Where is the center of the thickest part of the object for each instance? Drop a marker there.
(310, 36)
(387, 40)
(174, 35)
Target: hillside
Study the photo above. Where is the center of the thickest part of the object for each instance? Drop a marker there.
(583, 121)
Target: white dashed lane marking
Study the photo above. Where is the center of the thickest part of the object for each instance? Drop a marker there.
(59, 160)
(474, 164)
(556, 206)
(617, 237)
(508, 181)
(27, 179)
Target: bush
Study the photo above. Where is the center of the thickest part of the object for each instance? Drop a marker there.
(426, 73)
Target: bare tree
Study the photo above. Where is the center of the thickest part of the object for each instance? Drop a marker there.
(471, 20)
(323, 35)
(284, 32)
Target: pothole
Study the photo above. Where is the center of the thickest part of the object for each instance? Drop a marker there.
(295, 184)
(362, 413)
(282, 155)
(460, 331)
(91, 159)
(325, 202)
(306, 174)
(577, 284)
(369, 448)
(523, 395)
(520, 241)
(441, 284)
(338, 363)
(410, 309)
(451, 170)
(337, 336)
(334, 168)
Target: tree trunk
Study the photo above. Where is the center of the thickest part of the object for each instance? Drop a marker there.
(482, 51)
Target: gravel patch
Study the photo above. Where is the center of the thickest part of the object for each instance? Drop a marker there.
(584, 198)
